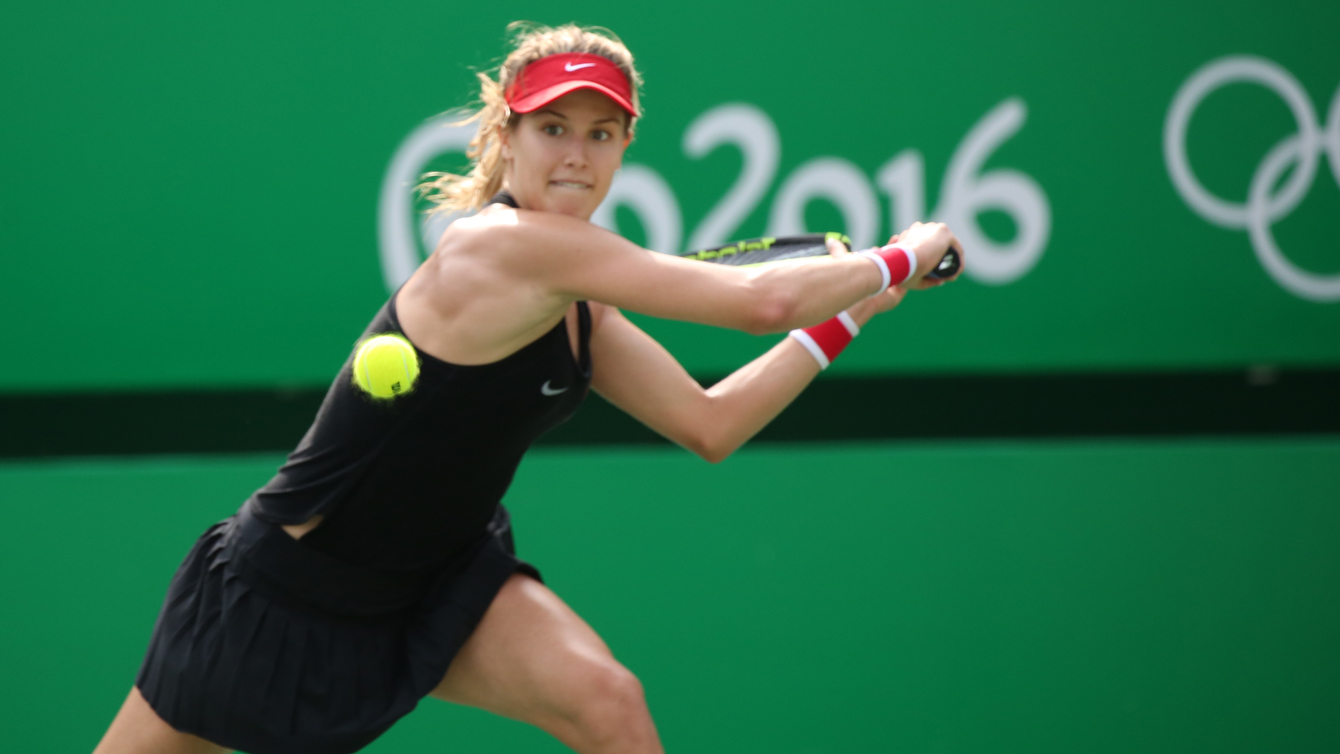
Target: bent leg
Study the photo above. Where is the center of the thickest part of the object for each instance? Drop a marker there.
(137, 729)
(535, 660)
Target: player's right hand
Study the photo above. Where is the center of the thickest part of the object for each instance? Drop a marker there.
(930, 242)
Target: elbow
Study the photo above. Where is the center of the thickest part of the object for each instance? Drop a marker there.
(715, 455)
(772, 309)
(707, 448)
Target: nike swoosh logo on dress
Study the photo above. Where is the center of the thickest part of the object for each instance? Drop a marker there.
(550, 391)
(569, 67)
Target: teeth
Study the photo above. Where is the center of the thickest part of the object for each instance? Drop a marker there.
(569, 184)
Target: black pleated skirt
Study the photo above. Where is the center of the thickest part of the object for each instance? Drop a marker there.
(267, 646)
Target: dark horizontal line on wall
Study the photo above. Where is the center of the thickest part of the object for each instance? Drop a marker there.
(1258, 401)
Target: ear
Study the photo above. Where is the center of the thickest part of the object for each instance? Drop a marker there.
(627, 139)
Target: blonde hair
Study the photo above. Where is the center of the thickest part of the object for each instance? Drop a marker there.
(451, 192)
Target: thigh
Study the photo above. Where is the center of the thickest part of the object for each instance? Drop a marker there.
(532, 659)
(137, 729)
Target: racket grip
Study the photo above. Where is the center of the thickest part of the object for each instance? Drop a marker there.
(948, 266)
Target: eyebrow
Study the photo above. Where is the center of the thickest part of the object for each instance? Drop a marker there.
(550, 111)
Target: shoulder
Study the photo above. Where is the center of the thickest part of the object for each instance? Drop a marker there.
(530, 244)
(497, 225)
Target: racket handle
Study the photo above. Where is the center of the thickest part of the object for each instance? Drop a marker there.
(947, 267)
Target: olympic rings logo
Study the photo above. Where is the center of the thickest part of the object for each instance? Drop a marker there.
(1262, 208)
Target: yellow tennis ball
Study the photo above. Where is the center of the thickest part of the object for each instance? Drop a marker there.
(386, 366)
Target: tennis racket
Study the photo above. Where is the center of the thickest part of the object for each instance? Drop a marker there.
(763, 250)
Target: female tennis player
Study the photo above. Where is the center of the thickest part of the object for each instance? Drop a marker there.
(377, 567)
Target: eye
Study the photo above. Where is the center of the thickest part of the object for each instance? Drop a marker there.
(553, 129)
(601, 135)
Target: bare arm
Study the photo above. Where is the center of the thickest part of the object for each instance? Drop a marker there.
(582, 261)
(638, 375)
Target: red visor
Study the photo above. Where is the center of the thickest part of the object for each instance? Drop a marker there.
(551, 77)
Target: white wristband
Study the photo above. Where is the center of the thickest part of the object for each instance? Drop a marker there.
(877, 256)
(883, 270)
(911, 263)
(826, 340)
(849, 323)
(804, 339)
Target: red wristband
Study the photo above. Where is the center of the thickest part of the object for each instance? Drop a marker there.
(896, 263)
(826, 340)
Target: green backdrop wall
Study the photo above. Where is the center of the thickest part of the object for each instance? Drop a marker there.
(1097, 596)
(204, 195)
(217, 196)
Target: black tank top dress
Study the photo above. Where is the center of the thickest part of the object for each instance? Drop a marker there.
(269, 644)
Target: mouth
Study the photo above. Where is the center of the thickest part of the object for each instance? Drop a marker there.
(575, 185)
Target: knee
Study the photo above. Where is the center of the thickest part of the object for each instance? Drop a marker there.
(612, 704)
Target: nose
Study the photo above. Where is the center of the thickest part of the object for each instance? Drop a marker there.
(575, 155)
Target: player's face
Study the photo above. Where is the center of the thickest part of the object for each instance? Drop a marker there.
(562, 157)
